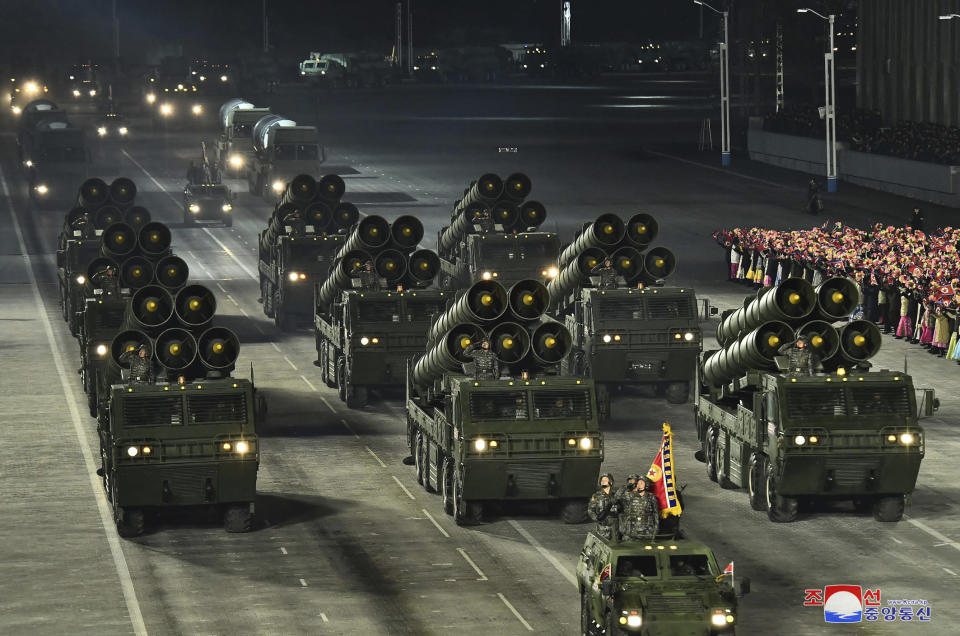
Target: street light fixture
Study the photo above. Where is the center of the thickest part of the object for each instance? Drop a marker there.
(830, 107)
(724, 85)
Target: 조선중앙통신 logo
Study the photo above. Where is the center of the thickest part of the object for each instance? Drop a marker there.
(854, 604)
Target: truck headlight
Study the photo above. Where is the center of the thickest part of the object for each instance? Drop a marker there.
(81, 279)
(16, 110)
(480, 445)
(28, 163)
(550, 272)
(489, 275)
(30, 87)
(586, 443)
(226, 207)
(364, 340)
(122, 130)
(101, 350)
(241, 447)
(633, 620)
(689, 336)
(223, 78)
(277, 186)
(92, 93)
(906, 439)
(133, 451)
(799, 440)
(102, 131)
(166, 110)
(295, 276)
(236, 161)
(197, 109)
(42, 189)
(76, 93)
(722, 617)
(607, 338)
(194, 208)
(151, 98)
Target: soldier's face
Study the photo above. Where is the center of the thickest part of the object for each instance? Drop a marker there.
(605, 483)
(641, 486)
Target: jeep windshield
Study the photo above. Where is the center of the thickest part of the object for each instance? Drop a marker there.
(637, 566)
(687, 565)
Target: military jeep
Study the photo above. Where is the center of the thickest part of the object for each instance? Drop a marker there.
(672, 587)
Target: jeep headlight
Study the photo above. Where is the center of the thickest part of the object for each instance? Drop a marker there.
(42, 189)
(722, 617)
(226, 207)
(277, 186)
(607, 338)
(151, 98)
(197, 109)
(101, 350)
(480, 445)
(236, 161)
(194, 208)
(102, 131)
(122, 130)
(81, 279)
(76, 93)
(166, 110)
(489, 275)
(92, 93)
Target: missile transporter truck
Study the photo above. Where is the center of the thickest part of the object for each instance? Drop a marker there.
(655, 588)
(369, 323)
(282, 150)
(515, 432)
(297, 247)
(633, 330)
(785, 431)
(190, 440)
(493, 236)
(235, 143)
(53, 153)
(171, 98)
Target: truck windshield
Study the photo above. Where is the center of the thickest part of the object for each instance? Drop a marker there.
(379, 311)
(836, 401)
(637, 566)
(242, 130)
(499, 405)
(561, 404)
(62, 153)
(423, 310)
(642, 307)
(539, 253)
(291, 152)
(690, 565)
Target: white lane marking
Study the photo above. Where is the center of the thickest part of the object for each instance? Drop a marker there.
(290, 363)
(303, 583)
(283, 550)
(274, 345)
(933, 533)
(896, 540)
(439, 564)
(309, 384)
(348, 427)
(379, 461)
(207, 230)
(324, 618)
(543, 551)
(106, 514)
(243, 311)
(329, 406)
(515, 612)
(404, 488)
(233, 300)
(221, 288)
(436, 525)
(463, 553)
(949, 571)
(715, 169)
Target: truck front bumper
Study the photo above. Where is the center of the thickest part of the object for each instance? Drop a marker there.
(186, 483)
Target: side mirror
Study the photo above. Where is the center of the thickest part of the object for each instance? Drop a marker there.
(606, 587)
(714, 310)
(743, 587)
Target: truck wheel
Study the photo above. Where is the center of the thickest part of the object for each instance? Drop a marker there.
(267, 293)
(889, 508)
(418, 457)
(722, 469)
(341, 380)
(92, 399)
(74, 327)
(780, 509)
(465, 513)
(446, 485)
(238, 518)
(228, 222)
(710, 453)
(574, 511)
(678, 392)
(755, 483)
(129, 522)
(603, 402)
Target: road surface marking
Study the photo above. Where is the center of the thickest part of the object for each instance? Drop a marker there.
(233, 300)
(379, 461)
(949, 571)
(207, 230)
(463, 553)
(324, 400)
(324, 618)
(404, 488)
(543, 551)
(243, 311)
(933, 533)
(515, 612)
(283, 550)
(221, 288)
(106, 514)
(290, 363)
(348, 427)
(437, 525)
(274, 345)
(309, 384)
(897, 540)
(303, 583)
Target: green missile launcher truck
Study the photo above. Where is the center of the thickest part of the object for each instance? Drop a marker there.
(846, 433)
(526, 434)
(668, 587)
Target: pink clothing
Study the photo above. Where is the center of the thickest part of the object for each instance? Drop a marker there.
(926, 335)
(733, 270)
(905, 328)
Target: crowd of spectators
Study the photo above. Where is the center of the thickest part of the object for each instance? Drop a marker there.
(864, 130)
(909, 280)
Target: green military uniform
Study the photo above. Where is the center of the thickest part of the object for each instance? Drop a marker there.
(486, 223)
(603, 509)
(640, 515)
(369, 281)
(485, 362)
(109, 283)
(800, 359)
(608, 276)
(141, 369)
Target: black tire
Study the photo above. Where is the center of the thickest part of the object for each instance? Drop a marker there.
(268, 300)
(678, 392)
(465, 513)
(756, 482)
(864, 504)
(889, 509)
(780, 509)
(228, 222)
(425, 463)
(238, 518)
(710, 453)
(418, 459)
(722, 468)
(92, 399)
(130, 522)
(446, 485)
(341, 381)
(574, 511)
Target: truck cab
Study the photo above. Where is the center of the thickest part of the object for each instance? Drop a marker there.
(502, 257)
(290, 151)
(671, 587)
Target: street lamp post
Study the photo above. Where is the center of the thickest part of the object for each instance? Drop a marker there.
(724, 85)
(830, 107)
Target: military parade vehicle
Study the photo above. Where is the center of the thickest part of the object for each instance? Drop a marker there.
(509, 248)
(631, 330)
(298, 246)
(84, 82)
(22, 90)
(847, 433)
(521, 433)
(52, 151)
(171, 97)
(207, 202)
(235, 142)
(281, 151)
(369, 323)
(666, 586)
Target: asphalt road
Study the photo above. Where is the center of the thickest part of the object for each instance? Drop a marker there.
(345, 542)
